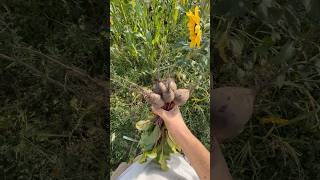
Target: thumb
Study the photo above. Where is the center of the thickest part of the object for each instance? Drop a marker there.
(158, 111)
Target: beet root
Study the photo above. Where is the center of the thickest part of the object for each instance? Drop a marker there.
(162, 87)
(232, 109)
(156, 88)
(181, 96)
(154, 99)
(171, 84)
(168, 96)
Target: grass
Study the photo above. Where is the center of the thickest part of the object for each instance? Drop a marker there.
(51, 114)
(150, 41)
(51, 92)
(274, 48)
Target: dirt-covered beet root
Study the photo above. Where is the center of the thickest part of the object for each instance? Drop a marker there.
(168, 96)
(156, 88)
(181, 96)
(154, 99)
(232, 109)
(162, 87)
(171, 84)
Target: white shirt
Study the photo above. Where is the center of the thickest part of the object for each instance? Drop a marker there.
(179, 169)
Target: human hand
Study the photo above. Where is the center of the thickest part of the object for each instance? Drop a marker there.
(172, 119)
(194, 150)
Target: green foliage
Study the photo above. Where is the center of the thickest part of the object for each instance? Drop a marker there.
(149, 139)
(51, 113)
(163, 154)
(276, 53)
(150, 40)
(156, 143)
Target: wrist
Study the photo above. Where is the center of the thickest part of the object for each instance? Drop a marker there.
(177, 127)
(181, 135)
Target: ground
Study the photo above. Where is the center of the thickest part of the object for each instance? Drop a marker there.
(52, 114)
(273, 47)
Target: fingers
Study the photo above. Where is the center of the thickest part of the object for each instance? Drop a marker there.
(163, 113)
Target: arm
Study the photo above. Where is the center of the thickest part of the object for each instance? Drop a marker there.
(198, 155)
(219, 167)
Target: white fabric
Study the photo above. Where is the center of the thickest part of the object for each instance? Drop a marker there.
(179, 169)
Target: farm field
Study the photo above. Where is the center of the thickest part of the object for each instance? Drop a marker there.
(51, 108)
(53, 89)
(273, 47)
(150, 41)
